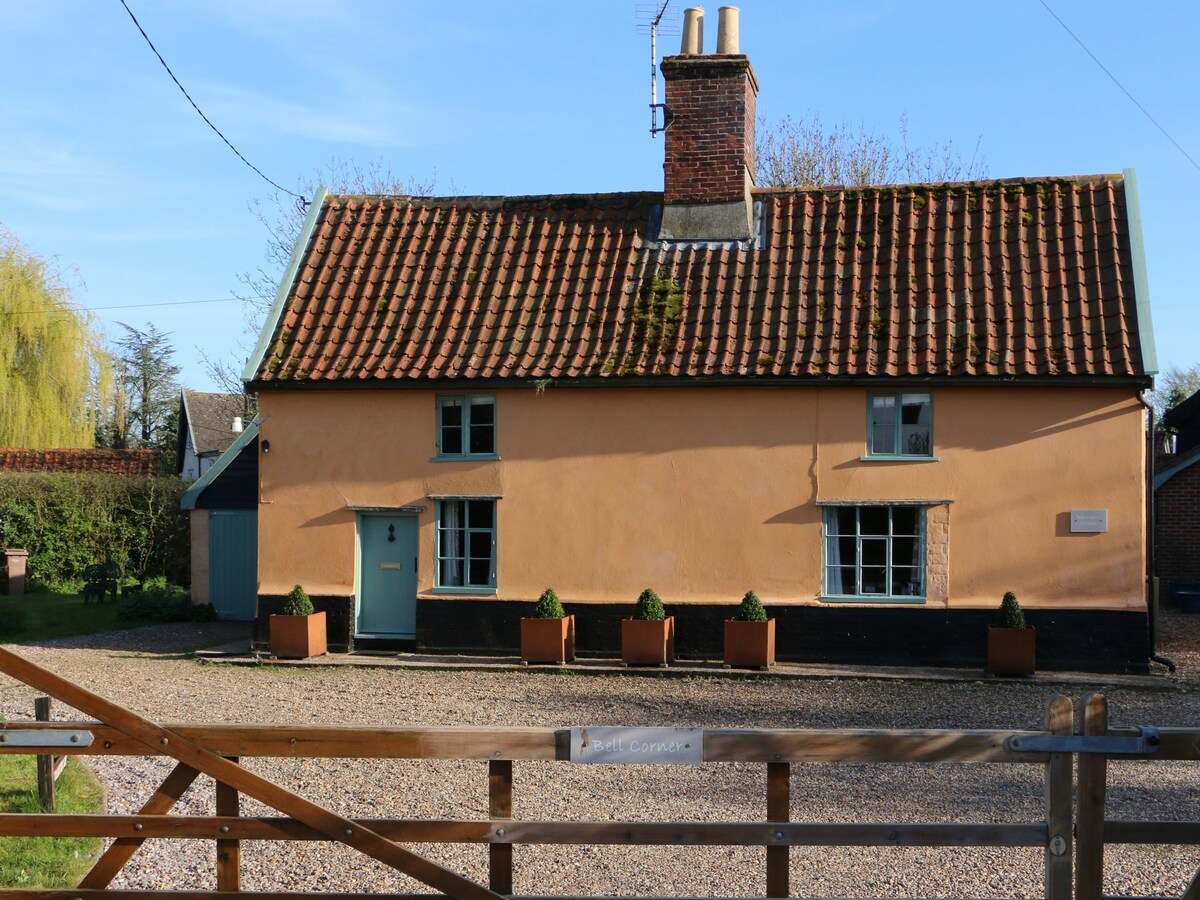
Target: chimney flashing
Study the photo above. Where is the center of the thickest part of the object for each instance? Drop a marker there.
(729, 221)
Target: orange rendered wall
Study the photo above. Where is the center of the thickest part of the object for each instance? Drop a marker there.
(703, 493)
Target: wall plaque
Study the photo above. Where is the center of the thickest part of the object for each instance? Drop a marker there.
(657, 746)
(1089, 521)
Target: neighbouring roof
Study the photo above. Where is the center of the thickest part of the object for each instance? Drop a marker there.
(191, 497)
(1179, 415)
(117, 462)
(1175, 465)
(208, 419)
(1013, 279)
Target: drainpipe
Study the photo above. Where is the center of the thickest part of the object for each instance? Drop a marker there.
(1151, 594)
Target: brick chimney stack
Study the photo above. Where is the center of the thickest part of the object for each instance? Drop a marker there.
(709, 165)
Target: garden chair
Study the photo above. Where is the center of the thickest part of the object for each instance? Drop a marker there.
(99, 579)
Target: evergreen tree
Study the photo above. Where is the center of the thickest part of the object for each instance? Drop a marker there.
(148, 382)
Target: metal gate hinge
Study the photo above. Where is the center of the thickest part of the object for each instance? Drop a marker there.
(29, 737)
(1146, 742)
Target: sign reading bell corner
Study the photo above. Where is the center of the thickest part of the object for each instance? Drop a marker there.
(653, 746)
(1089, 521)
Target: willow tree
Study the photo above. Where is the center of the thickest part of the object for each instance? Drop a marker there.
(54, 374)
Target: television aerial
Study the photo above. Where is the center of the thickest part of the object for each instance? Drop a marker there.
(655, 19)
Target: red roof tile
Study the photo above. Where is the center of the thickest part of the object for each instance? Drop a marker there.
(1011, 279)
(117, 462)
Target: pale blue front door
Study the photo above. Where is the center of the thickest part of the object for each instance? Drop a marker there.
(387, 578)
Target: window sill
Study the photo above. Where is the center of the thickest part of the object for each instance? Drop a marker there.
(898, 458)
(464, 457)
(874, 599)
(480, 591)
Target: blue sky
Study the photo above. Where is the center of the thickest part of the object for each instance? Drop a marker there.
(106, 169)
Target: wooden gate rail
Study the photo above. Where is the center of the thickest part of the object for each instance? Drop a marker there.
(517, 744)
(1072, 842)
(435, 831)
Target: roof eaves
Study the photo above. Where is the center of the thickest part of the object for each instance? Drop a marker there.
(192, 494)
(1133, 382)
(1141, 286)
(285, 285)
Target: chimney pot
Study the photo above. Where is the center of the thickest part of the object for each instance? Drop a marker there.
(727, 30)
(693, 32)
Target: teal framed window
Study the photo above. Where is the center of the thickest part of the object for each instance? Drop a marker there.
(466, 426)
(900, 424)
(466, 545)
(875, 553)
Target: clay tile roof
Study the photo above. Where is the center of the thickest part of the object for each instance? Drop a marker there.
(210, 419)
(116, 462)
(1011, 279)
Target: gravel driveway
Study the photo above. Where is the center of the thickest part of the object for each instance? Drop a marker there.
(138, 669)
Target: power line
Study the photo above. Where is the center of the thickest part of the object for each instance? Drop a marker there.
(81, 308)
(278, 187)
(1116, 82)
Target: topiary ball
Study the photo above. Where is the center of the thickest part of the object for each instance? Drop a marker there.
(549, 606)
(751, 609)
(649, 607)
(1010, 614)
(297, 603)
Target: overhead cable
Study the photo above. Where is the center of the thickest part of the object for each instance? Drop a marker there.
(79, 307)
(1117, 83)
(217, 131)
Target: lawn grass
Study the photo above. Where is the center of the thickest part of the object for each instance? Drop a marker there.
(49, 862)
(45, 614)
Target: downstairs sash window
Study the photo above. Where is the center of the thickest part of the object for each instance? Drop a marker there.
(466, 545)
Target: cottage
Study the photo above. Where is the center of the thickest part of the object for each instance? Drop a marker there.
(208, 424)
(880, 408)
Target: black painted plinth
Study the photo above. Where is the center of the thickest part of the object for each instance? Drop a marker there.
(1067, 640)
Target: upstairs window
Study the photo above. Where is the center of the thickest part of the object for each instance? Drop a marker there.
(466, 425)
(900, 424)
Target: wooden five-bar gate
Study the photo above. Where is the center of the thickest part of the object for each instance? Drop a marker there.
(1072, 833)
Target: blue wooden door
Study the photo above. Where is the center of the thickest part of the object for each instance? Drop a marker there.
(233, 563)
(387, 578)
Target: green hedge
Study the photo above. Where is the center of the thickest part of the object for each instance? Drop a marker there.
(68, 522)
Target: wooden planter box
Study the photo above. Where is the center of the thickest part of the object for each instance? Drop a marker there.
(548, 640)
(298, 637)
(749, 644)
(648, 642)
(1010, 651)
